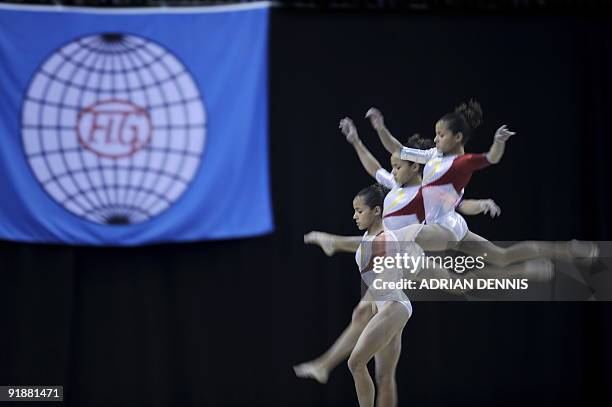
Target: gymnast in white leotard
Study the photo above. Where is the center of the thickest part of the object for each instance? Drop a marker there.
(447, 172)
(381, 337)
(374, 245)
(403, 206)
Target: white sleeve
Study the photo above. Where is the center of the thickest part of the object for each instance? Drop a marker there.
(418, 156)
(385, 178)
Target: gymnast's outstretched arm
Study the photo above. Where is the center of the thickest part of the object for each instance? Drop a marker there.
(369, 162)
(333, 243)
(478, 206)
(393, 145)
(376, 119)
(496, 151)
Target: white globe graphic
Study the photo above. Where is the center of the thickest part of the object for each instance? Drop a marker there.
(113, 127)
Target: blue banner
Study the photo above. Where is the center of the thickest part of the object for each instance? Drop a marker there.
(137, 126)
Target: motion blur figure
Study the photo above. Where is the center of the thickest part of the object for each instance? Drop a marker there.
(447, 172)
(379, 319)
(402, 206)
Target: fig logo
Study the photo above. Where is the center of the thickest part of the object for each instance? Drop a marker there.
(114, 128)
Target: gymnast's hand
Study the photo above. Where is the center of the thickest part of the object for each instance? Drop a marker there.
(349, 130)
(488, 206)
(503, 134)
(321, 239)
(376, 118)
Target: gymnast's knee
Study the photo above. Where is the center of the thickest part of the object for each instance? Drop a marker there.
(384, 377)
(356, 364)
(362, 313)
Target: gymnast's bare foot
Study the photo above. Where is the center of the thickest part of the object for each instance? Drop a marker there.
(311, 370)
(322, 240)
(583, 253)
(583, 249)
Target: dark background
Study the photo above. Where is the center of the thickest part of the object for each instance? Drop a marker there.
(221, 323)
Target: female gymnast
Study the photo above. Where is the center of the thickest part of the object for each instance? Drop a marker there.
(402, 206)
(447, 172)
(381, 336)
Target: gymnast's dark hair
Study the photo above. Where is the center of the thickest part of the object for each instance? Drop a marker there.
(466, 118)
(374, 195)
(416, 141)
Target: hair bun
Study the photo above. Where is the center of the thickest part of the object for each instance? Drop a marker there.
(472, 112)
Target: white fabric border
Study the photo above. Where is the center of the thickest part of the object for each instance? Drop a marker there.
(140, 10)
